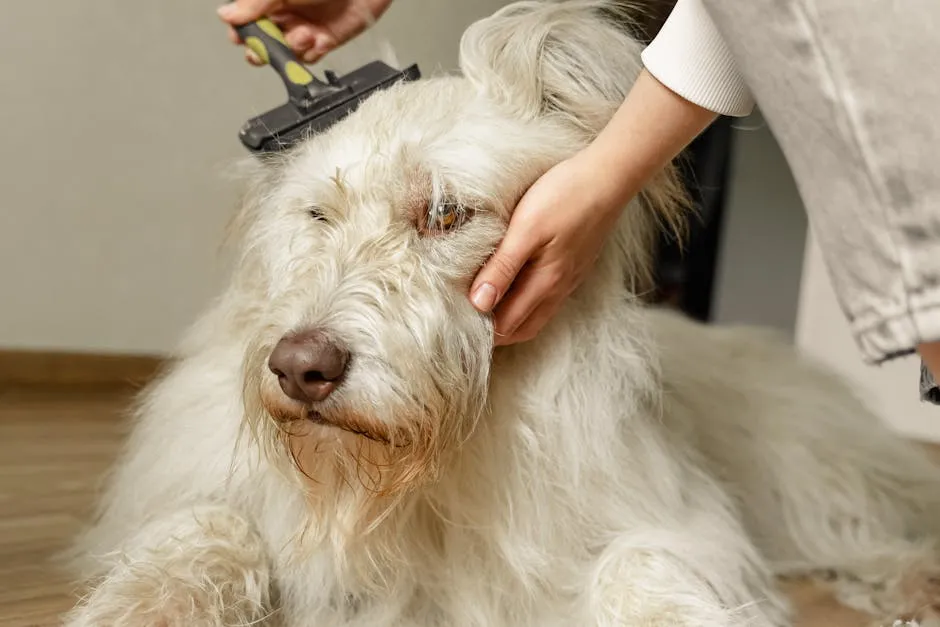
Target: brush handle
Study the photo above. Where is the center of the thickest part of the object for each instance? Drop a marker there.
(267, 41)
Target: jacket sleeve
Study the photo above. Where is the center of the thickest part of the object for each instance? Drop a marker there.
(690, 58)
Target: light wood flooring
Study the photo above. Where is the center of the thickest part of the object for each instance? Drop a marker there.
(54, 446)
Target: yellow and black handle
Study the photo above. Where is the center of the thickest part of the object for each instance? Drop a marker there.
(267, 41)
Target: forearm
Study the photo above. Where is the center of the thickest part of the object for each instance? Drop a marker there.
(651, 127)
(689, 78)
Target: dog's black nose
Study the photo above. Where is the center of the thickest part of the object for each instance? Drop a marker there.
(308, 365)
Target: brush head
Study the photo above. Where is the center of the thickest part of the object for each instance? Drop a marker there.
(283, 127)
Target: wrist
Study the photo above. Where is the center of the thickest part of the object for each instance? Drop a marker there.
(649, 129)
(613, 179)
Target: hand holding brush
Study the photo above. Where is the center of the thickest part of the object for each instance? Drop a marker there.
(311, 28)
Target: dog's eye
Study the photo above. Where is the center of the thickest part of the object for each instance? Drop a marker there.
(315, 212)
(444, 216)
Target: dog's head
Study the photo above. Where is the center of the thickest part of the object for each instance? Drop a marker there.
(367, 363)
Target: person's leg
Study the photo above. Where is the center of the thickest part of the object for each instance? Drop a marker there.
(850, 90)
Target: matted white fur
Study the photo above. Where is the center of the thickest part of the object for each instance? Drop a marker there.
(627, 467)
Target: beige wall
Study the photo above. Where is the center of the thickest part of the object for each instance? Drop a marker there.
(119, 119)
(763, 234)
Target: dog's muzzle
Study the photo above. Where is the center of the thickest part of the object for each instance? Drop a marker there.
(309, 365)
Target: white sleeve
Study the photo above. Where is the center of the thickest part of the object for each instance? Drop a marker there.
(689, 57)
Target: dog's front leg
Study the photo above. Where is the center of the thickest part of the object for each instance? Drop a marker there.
(203, 566)
(698, 576)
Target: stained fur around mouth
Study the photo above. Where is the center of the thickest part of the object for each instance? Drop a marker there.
(287, 411)
(317, 417)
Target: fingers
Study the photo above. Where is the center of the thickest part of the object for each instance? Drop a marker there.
(252, 58)
(533, 324)
(316, 46)
(534, 290)
(352, 21)
(310, 28)
(308, 41)
(244, 11)
(497, 274)
(303, 38)
(250, 55)
(300, 36)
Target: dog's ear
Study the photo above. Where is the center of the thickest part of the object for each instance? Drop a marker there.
(573, 58)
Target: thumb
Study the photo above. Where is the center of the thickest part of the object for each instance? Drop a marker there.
(243, 11)
(497, 274)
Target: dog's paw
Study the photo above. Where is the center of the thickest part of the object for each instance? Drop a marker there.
(933, 621)
(200, 567)
(919, 596)
(910, 598)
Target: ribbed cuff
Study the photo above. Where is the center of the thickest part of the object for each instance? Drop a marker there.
(689, 57)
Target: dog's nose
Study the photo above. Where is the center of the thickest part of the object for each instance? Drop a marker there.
(308, 365)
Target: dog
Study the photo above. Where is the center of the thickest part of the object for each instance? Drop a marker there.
(337, 442)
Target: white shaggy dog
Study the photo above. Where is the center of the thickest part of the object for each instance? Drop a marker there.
(338, 444)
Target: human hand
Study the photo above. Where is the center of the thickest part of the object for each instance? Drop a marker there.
(554, 238)
(561, 223)
(312, 28)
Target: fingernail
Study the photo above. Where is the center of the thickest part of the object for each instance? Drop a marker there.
(323, 43)
(300, 40)
(226, 11)
(484, 297)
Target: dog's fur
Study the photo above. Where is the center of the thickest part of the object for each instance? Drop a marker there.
(626, 467)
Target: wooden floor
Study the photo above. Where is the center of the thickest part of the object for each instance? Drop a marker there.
(54, 447)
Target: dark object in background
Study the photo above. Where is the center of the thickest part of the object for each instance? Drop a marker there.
(651, 14)
(685, 275)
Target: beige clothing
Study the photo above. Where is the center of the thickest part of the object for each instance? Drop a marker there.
(851, 90)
